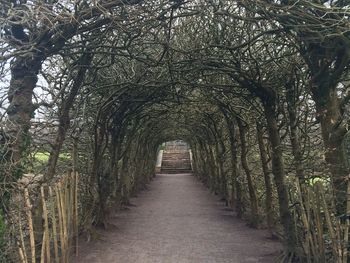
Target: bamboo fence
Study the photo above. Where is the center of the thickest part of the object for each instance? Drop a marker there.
(325, 236)
(59, 213)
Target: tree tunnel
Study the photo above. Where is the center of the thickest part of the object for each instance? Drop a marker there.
(258, 89)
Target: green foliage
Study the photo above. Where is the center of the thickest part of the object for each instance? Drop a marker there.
(39, 161)
(44, 156)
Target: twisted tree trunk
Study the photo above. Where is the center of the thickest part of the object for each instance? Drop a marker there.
(236, 191)
(21, 109)
(279, 175)
(251, 188)
(267, 179)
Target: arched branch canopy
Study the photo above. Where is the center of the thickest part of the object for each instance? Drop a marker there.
(258, 89)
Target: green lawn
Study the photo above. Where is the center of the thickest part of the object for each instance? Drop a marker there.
(44, 156)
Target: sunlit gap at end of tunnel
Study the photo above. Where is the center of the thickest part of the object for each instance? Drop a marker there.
(174, 157)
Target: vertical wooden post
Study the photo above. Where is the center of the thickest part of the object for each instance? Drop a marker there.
(347, 224)
(319, 224)
(76, 219)
(22, 248)
(43, 248)
(54, 225)
(329, 222)
(64, 217)
(21, 253)
(30, 223)
(308, 238)
(67, 207)
(46, 241)
(60, 220)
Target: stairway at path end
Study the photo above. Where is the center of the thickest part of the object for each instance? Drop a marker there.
(176, 162)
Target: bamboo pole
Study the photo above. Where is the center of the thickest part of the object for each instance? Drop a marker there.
(21, 253)
(43, 248)
(309, 219)
(66, 197)
(60, 221)
(76, 220)
(330, 225)
(337, 241)
(304, 221)
(54, 227)
(68, 204)
(46, 226)
(22, 245)
(71, 208)
(74, 193)
(30, 224)
(64, 218)
(346, 225)
(337, 244)
(319, 225)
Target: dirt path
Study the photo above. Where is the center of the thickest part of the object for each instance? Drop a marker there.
(178, 220)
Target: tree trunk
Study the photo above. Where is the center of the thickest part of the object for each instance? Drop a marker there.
(294, 133)
(279, 175)
(219, 160)
(20, 111)
(333, 132)
(267, 179)
(327, 66)
(220, 152)
(214, 181)
(203, 165)
(236, 192)
(114, 159)
(244, 161)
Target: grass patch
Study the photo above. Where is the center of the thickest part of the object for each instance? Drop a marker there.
(44, 156)
(40, 160)
(65, 156)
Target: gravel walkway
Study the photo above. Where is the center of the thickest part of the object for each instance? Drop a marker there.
(178, 220)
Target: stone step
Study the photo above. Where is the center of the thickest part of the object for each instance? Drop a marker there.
(175, 171)
(176, 162)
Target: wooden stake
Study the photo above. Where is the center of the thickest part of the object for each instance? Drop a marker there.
(46, 241)
(64, 218)
(43, 248)
(54, 227)
(308, 220)
(60, 221)
(319, 225)
(337, 227)
(67, 206)
(21, 254)
(330, 225)
(30, 223)
(76, 220)
(347, 224)
(22, 245)
(304, 221)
